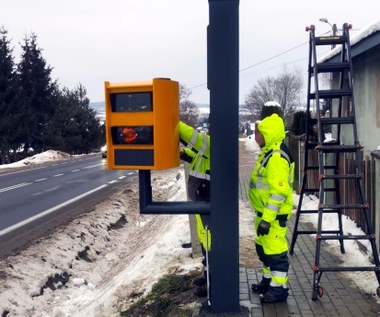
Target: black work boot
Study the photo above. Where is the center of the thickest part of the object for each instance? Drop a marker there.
(275, 295)
(261, 287)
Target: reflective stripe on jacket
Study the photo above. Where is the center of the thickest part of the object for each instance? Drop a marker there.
(198, 148)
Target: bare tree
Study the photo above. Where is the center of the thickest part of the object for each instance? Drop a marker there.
(188, 110)
(184, 93)
(285, 89)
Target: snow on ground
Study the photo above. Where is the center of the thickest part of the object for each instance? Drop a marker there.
(49, 155)
(107, 255)
(101, 261)
(357, 252)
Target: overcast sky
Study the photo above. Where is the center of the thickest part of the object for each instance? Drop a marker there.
(92, 41)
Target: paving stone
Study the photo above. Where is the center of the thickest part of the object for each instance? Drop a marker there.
(340, 297)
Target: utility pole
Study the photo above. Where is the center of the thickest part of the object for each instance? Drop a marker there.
(223, 83)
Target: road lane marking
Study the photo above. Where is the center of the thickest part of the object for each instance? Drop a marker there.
(40, 180)
(75, 171)
(48, 211)
(2, 190)
(50, 189)
(93, 166)
(57, 175)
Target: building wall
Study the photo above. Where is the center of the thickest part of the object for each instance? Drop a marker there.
(367, 98)
(376, 199)
(367, 106)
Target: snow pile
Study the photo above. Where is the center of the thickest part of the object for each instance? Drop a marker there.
(49, 155)
(94, 264)
(357, 252)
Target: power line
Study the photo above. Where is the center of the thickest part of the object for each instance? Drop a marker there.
(273, 57)
(259, 63)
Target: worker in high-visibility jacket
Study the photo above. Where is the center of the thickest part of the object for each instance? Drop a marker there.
(197, 153)
(271, 196)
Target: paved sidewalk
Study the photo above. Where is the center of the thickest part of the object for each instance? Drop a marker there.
(340, 298)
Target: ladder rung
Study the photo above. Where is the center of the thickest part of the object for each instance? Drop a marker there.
(329, 148)
(345, 206)
(315, 145)
(313, 168)
(330, 40)
(311, 190)
(315, 211)
(331, 67)
(325, 167)
(331, 167)
(315, 232)
(345, 237)
(348, 268)
(308, 211)
(332, 143)
(328, 94)
(338, 120)
(343, 176)
(315, 190)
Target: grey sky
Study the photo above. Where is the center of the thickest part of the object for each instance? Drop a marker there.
(92, 41)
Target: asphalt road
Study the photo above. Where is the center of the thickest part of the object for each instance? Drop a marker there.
(35, 201)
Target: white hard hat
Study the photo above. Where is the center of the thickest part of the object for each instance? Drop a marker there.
(272, 103)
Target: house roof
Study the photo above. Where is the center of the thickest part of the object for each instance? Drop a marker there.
(367, 38)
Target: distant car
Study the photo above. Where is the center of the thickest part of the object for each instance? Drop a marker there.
(103, 149)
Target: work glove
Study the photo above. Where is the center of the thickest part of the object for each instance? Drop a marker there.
(263, 228)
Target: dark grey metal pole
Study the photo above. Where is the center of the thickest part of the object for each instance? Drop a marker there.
(223, 83)
(148, 206)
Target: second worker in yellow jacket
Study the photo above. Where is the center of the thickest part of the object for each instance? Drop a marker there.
(271, 196)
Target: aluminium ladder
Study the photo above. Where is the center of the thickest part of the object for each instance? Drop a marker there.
(326, 176)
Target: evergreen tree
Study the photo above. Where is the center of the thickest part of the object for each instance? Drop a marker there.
(74, 127)
(36, 113)
(89, 126)
(36, 95)
(7, 97)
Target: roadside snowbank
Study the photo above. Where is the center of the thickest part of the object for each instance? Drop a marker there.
(92, 266)
(49, 155)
